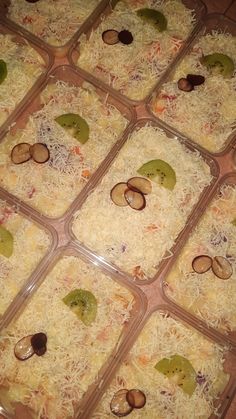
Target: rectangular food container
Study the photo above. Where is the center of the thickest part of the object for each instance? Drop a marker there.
(197, 6)
(167, 93)
(58, 50)
(36, 221)
(217, 244)
(122, 377)
(181, 235)
(122, 115)
(118, 289)
(48, 59)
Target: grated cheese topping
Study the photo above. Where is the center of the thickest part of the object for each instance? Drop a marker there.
(207, 114)
(52, 385)
(205, 295)
(163, 337)
(51, 187)
(136, 241)
(30, 245)
(53, 21)
(134, 69)
(24, 66)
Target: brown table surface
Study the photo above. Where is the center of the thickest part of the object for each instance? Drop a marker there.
(228, 7)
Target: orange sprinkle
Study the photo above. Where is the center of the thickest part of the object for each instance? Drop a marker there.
(151, 227)
(143, 359)
(86, 173)
(76, 150)
(138, 273)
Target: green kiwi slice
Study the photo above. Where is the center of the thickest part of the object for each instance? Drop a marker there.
(75, 125)
(218, 64)
(234, 222)
(159, 171)
(156, 18)
(83, 304)
(3, 71)
(180, 371)
(6, 242)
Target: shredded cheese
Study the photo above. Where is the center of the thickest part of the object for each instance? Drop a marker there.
(163, 337)
(52, 385)
(51, 187)
(136, 241)
(205, 295)
(30, 245)
(53, 21)
(24, 66)
(207, 114)
(134, 69)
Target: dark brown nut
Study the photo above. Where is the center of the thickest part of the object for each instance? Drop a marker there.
(125, 37)
(41, 351)
(201, 264)
(118, 194)
(185, 85)
(140, 184)
(119, 405)
(39, 153)
(110, 37)
(195, 79)
(221, 267)
(23, 349)
(20, 153)
(38, 342)
(136, 200)
(136, 398)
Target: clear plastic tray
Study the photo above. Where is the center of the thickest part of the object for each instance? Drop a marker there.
(48, 60)
(30, 222)
(218, 242)
(197, 6)
(170, 94)
(123, 377)
(85, 158)
(57, 50)
(116, 319)
(111, 259)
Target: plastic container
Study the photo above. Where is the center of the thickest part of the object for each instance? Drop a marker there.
(103, 69)
(131, 372)
(208, 295)
(125, 242)
(45, 59)
(33, 244)
(120, 308)
(67, 36)
(208, 102)
(51, 188)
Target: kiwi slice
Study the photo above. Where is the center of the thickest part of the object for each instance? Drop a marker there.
(83, 304)
(180, 371)
(75, 125)
(218, 64)
(159, 171)
(156, 18)
(3, 71)
(6, 242)
(234, 222)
